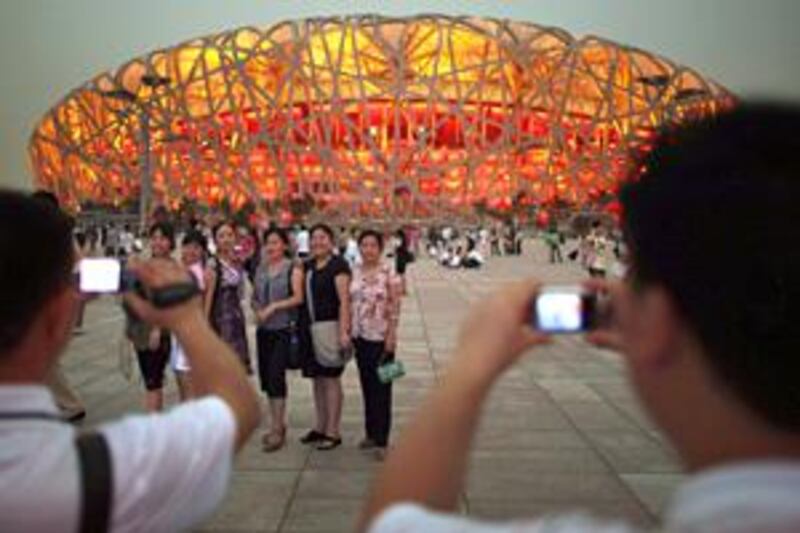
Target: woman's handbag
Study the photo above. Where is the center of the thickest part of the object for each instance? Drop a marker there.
(294, 360)
(325, 336)
(390, 370)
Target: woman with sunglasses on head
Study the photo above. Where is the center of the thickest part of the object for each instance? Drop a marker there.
(327, 283)
(225, 279)
(277, 293)
(375, 294)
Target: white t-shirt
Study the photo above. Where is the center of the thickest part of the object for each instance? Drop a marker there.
(170, 471)
(351, 252)
(302, 239)
(178, 359)
(126, 241)
(750, 497)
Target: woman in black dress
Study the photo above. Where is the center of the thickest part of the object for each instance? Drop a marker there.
(327, 281)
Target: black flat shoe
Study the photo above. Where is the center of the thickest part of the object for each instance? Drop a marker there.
(328, 443)
(312, 437)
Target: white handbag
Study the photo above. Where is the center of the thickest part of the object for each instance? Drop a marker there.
(325, 336)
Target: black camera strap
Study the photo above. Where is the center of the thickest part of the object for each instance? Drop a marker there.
(95, 466)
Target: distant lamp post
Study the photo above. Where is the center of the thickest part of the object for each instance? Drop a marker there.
(143, 110)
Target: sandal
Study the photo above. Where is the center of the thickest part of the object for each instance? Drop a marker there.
(367, 444)
(312, 437)
(273, 441)
(328, 443)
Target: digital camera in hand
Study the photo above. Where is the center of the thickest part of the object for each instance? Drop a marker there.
(564, 309)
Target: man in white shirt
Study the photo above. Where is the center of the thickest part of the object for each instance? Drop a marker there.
(164, 472)
(708, 328)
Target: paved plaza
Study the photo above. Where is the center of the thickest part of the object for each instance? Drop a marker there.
(562, 428)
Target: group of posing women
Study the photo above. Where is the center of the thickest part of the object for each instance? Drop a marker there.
(312, 315)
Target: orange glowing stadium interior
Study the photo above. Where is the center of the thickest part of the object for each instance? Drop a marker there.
(407, 118)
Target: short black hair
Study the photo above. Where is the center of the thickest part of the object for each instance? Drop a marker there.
(166, 229)
(275, 230)
(51, 199)
(371, 233)
(714, 220)
(37, 259)
(47, 196)
(194, 236)
(219, 226)
(320, 226)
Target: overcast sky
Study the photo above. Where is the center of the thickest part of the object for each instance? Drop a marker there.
(49, 47)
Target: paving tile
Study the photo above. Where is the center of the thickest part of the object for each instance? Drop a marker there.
(630, 452)
(519, 483)
(334, 484)
(316, 515)
(628, 510)
(535, 461)
(568, 390)
(255, 501)
(590, 416)
(509, 439)
(653, 490)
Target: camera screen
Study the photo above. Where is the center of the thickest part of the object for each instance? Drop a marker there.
(560, 312)
(99, 275)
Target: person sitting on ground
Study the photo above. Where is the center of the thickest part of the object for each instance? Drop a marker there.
(158, 472)
(472, 259)
(707, 323)
(455, 258)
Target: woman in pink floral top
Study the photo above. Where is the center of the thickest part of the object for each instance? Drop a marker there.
(375, 302)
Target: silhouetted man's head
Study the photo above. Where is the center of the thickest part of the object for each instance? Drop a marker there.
(36, 268)
(714, 222)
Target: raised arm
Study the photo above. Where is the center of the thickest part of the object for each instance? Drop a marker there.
(438, 440)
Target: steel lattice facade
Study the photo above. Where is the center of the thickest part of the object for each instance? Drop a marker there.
(367, 116)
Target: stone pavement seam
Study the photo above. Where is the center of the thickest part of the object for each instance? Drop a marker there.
(293, 494)
(582, 434)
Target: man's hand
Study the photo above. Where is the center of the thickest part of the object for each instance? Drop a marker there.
(498, 329)
(612, 336)
(155, 274)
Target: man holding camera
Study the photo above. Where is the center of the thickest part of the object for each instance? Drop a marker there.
(164, 472)
(707, 324)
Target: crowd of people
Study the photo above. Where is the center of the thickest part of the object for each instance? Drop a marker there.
(314, 307)
(705, 323)
(470, 247)
(599, 250)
